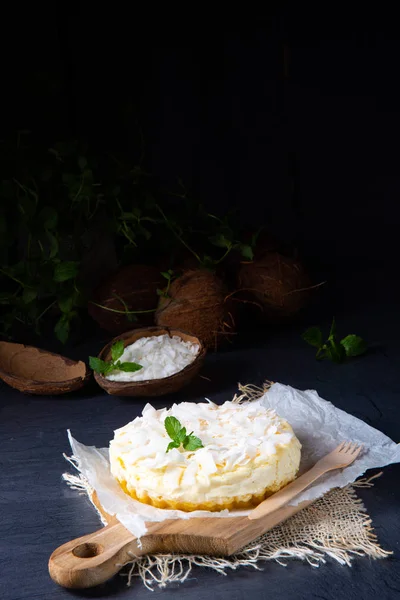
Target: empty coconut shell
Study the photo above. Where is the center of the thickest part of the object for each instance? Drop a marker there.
(151, 387)
(35, 371)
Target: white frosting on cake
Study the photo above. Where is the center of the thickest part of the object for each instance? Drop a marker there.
(247, 450)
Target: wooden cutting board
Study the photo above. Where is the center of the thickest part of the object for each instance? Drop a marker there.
(93, 559)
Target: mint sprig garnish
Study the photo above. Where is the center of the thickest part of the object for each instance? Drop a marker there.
(178, 435)
(104, 367)
(337, 351)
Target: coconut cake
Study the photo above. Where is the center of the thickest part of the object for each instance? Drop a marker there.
(248, 452)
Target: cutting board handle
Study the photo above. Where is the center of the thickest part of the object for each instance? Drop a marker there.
(93, 559)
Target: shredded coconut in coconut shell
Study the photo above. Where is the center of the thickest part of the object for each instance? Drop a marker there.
(160, 356)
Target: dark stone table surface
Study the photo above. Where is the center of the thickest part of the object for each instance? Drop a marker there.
(38, 512)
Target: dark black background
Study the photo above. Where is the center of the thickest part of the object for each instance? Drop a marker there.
(293, 118)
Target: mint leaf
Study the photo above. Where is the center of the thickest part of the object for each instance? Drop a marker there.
(353, 345)
(332, 333)
(62, 328)
(335, 351)
(172, 427)
(181, 435)
(313, 336)
(129, 367)
(117, 350)
(29, 295)
(246, 251)
(48, 217)
(172, 445)
(65, 270)
(65, 304)
(192, 442)
(220, 240)
(98, 365)
(178, 434)
(110, 367)
(53, 244)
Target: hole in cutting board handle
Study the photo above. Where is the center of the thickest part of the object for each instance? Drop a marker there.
(87, 550)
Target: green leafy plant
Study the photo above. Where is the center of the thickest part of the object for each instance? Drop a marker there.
(105, 367)
(225, 237)
(51, 202)
(337, 351)
(168, 275)
(222, 237)
(179, 437)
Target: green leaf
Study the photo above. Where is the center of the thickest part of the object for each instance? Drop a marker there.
(53, 244)
(160, 292)
(208, 262)
(62, 328)
(98, 365)
(332, 333)
(182, 434)
(335, 351)
(129, 367)
(220, 240)
(66, 303)
(166, 275)
(29, 295)
(192, 443)
(172, 427)
(354, 345)
(65, 271)
(117, 350)
(313, 336)
(246, 251)
(110, 367)
(172, 445)
(48, 216)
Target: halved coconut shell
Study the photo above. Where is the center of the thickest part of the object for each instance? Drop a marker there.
(35, 371)
(151, 387)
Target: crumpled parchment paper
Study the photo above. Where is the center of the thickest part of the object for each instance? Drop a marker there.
(318, 424)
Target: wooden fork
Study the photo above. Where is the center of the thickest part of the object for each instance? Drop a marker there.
(345, 454)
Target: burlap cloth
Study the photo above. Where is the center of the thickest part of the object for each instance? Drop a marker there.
(335, 526)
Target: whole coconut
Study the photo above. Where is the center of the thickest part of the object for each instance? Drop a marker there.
(278, 284)
(134, 288)
(198, 304)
